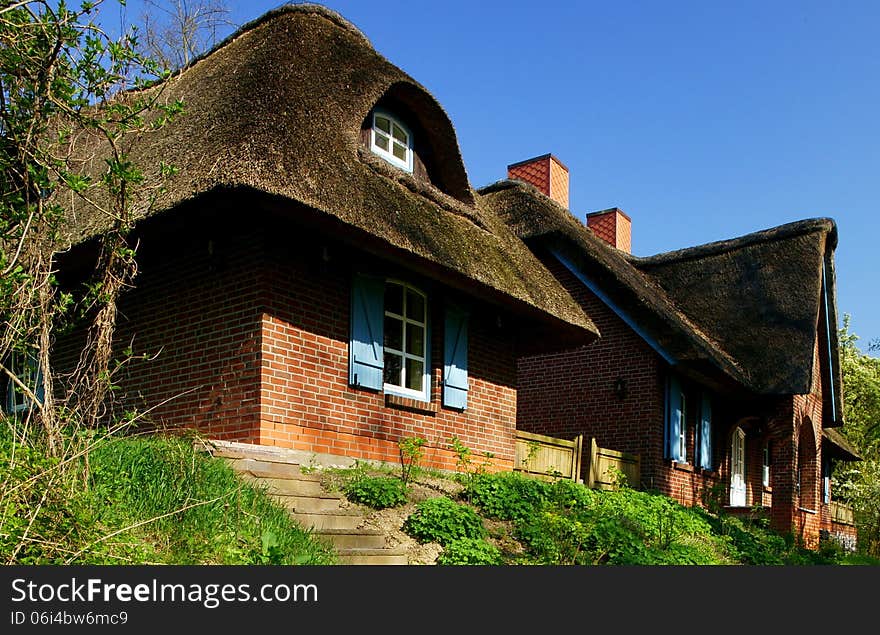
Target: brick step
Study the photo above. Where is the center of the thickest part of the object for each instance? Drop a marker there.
(354, 538)
(321, 522)
(386, 556)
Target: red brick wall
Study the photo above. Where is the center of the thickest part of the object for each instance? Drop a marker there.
(572, 393)
(193, 311)
(306, 402)
(248, 333)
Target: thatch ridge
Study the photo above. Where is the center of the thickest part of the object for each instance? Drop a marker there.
(795, 228)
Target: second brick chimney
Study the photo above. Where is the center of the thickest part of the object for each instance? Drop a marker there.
(547, 173)
(550, 176)
(613, 226)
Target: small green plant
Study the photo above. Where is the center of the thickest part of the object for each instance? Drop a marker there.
(270, 552)
(465, 467)
(378, 492)
(470, 551)
(411, 453)
(617, 477)
(534, 447)
(443, 520)
(462, 454)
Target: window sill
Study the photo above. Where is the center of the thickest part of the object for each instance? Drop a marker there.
(684, 467)
(708, 472)
(768, 489)
(807, 511)
(406, 403)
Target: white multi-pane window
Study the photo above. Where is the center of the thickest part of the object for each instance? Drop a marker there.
(26, 368)
(765, 468)
(392, 141)
(405, 328)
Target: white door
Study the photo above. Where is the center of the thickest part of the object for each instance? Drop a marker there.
(738, 469)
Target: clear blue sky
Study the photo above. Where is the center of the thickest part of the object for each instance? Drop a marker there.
(701, 120)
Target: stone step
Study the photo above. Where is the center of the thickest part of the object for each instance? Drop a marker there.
(354, 538)
(373, 556)
(290, 487)
(272, 469)
(310, 504)
(325, 521)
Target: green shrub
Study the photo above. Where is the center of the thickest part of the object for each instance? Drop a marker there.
(470, 551)
(443, 520)
(556, 539)
(378, 492)
(506, 496)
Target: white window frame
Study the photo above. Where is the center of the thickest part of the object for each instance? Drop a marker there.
(765, 465)
(682, 430)
(389, 155)
(27, 368)
(402, 391)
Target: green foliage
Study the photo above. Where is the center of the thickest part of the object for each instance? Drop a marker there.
(443, 520)
(858, 484)
(470, 551)
(38, 522)
(465, 467)
(143, 500)
(411, 453)
(377, 492)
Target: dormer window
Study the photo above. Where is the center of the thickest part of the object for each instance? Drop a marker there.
(392, 141)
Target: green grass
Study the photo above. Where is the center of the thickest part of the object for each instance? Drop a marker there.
(143, 500)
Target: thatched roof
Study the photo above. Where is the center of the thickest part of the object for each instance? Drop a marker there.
(760, 296)
(750, 307)
(838, 446)
(278, 108)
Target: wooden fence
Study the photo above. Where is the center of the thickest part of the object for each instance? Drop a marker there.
(551, 458)
(604, 465)
(841, 513)
(548, 457)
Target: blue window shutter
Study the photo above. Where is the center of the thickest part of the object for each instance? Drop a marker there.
(455, 358)
(673, 418)
(39, 389)
(10, 395)
(366, 357)
(706, 433)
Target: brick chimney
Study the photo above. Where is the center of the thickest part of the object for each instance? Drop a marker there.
(613, 226)
(547, 173)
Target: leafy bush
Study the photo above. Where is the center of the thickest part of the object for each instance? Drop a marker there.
(470, 551)
(507, 496)
(443, 520)
(377, 492)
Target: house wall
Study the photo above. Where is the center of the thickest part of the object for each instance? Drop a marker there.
(307, 404)
(193, 314)
(570, 393)
(811, 513)
(247, 334)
